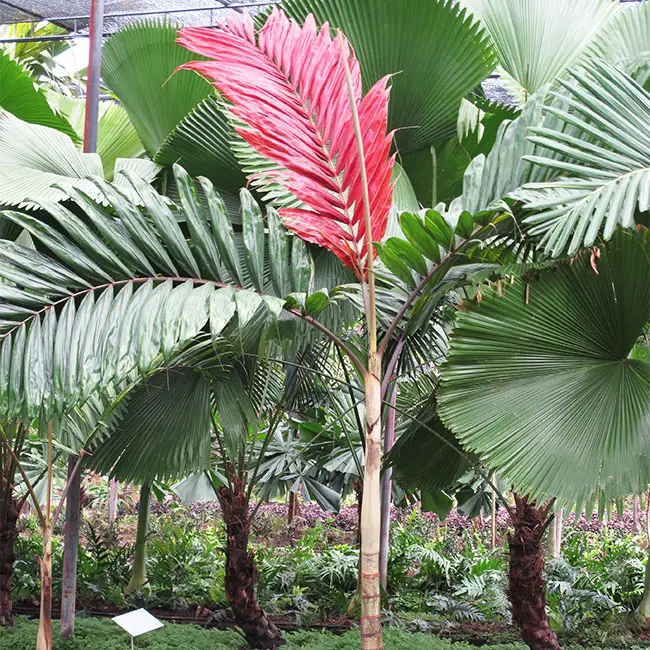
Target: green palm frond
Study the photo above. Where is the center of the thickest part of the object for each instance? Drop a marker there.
(176, 114)
(124, 290)
(625, 41)
(38, 163)
(435, 50)
(138, 65)
(164, 430)
(116, 137)
(536, 42)
(539, 381)
(604, 163)
(20, 97)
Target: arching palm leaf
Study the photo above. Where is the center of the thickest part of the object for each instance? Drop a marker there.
(124, 292)
(539, 382)
(605, 169)
(19, 96)
(308, 133)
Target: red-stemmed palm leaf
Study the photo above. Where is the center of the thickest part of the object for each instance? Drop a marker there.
(287, 85)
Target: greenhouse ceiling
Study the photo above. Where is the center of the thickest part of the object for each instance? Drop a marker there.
(74, 14)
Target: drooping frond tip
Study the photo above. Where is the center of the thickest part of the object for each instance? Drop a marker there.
(287, 85)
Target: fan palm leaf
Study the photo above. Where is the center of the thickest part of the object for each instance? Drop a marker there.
(307, 132)
(176, 115)
(116, 137)
(604, 164)
(538, 40)
(539, 381)
(625, 41)
(436, 51)
(37, 162)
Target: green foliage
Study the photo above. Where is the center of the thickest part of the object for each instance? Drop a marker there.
(436, 52)
(531, 39)
(566, 410)
(19, 96)
(105, 635)
(603, 164)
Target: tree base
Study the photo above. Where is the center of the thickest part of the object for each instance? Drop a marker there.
(242, 575)
(527, 589)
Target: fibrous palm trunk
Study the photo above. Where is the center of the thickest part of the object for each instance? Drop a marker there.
(8, 533)
(242, 575)
(527, 588)
(643, 610)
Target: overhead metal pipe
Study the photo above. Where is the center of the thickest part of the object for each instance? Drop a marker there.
(94, 74)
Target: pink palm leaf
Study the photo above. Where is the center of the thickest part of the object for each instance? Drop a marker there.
(287, 85)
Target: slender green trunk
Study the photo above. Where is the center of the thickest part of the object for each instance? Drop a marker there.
(643, 610)
(139, 577)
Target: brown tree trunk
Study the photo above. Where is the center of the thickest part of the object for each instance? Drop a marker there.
(294, 507)
(241, 572)
(527, 589)
(8, 535)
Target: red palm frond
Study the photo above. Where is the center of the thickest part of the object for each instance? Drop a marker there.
(287, 85)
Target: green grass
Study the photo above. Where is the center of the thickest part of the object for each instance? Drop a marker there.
(103, 634)
(94, 634)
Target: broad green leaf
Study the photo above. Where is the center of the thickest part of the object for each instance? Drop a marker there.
(539, 381)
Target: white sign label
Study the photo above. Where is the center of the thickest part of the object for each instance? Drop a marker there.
(138, 622)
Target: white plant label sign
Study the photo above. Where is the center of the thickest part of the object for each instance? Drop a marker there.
(138, 622)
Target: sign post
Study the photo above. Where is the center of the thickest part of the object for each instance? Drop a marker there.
(138, 622)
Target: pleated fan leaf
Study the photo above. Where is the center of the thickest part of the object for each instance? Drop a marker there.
(536, 41)
(163, 432)
(287, 84)
(625, 41)
(603, 164)
(436, 51)
(540, 383)
(176, 115)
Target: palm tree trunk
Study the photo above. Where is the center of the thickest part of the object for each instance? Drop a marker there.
(139, 577)
(70, 549)
(241, 572)
(44, 639)
(387, 494)
(8, 534)
(643, 610)
(636, 515)
(371, 635)
(294, 507)
(527, 588)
